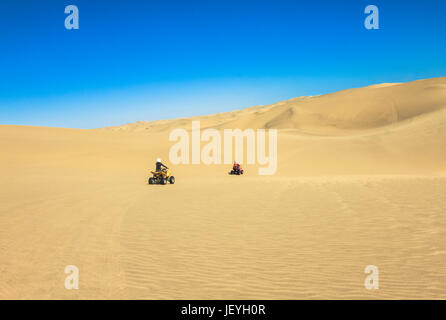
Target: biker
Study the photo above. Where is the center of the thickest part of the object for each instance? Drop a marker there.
(236, 166)
(160, 166)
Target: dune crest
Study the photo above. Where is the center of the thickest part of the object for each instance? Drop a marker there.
(342, 112)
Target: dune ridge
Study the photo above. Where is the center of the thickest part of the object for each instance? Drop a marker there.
(344, 112)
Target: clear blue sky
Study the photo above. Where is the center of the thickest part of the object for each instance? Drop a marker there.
(147, 60)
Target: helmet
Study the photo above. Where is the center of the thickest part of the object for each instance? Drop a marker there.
(158, 160)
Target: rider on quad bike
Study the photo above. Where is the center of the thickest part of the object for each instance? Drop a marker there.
(162, 174)
(236, 169)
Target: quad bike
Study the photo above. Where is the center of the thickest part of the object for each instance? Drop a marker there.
(161, 177)
(236, 171)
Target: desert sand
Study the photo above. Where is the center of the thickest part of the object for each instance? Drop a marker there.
(361, 181)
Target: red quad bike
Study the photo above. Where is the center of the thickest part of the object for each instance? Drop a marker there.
(237, 170)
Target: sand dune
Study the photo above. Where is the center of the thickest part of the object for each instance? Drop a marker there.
(360, 182)
(350, 110)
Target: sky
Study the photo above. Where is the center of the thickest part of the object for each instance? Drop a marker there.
(147, 60)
